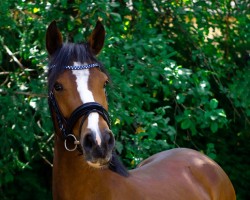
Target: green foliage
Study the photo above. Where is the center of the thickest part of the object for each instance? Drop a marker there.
(180, 77)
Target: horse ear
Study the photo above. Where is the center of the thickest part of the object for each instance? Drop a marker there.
(97, 37)
(53, 38)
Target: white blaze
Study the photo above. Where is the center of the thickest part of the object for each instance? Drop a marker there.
(82, 77)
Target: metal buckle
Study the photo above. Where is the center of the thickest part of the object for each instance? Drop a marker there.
(76, 142)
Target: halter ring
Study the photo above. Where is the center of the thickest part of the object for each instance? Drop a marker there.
(76, 142)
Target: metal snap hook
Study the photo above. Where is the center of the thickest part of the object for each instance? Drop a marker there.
(76, 142)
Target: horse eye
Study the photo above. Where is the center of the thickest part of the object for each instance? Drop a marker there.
(106, 83)
(58, 87)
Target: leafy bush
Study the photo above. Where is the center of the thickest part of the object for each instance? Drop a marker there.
(180, 77)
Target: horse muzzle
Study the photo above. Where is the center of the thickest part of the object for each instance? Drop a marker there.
(98, 153)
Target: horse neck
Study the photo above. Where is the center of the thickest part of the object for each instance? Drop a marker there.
(66, 164)
(69, 171)
(73, 177)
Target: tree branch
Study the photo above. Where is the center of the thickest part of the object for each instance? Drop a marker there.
(24, 93)
(9, 52)
(4, 73)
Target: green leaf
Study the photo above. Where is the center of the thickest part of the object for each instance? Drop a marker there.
(193, 129)
(180, 98)
(221, 113)
(114, 4)
(117, 16)
(185, 124)
(214, 127)
(9, 177)
(119, 146)
(213, 103)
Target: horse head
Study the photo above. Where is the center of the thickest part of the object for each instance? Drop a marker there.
(77, 95)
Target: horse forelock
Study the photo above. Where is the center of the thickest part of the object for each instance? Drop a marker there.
(66, 56)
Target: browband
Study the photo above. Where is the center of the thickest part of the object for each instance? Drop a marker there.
(80, 67)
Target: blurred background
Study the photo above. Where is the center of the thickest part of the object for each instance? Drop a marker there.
(180, 78)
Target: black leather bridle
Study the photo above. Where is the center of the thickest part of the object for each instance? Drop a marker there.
(66, 125)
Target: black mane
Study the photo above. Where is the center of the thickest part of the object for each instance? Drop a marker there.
(65, 56)
(117, 166)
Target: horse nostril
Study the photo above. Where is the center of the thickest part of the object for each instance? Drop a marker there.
(88, 142)
(109, 140)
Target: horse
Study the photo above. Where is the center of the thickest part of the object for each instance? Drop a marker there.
(85, 165)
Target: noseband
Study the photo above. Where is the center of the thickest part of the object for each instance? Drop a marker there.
(66, 125)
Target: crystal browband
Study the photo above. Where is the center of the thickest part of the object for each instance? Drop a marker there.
(80, 67)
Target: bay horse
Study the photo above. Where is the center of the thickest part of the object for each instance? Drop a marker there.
(85, 165)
